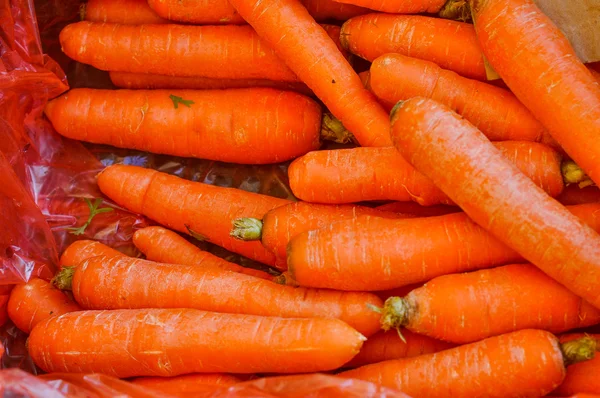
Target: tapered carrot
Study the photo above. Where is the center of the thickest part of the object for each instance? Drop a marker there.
(307, 49)
(496, 195)
(281, 224)
(35, 301)
(399, 6)
(175, 50)
(384, 346)
(417, 210)
(573, 195)
(127, 12)
(494, 111)
(581, 377)
(81, 250)
(563, 96)
(397, 253)
(528, 363)
(158, 342)
(183, 386)
(251, 126)
(165, 246)
(450, 44)
(191, 207)
(125, 282)
(361, 174)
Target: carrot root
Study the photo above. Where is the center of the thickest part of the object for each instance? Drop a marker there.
(579, 350)
(64, 278)
(247, 229)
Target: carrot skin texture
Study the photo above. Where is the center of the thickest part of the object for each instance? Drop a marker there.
(182, 386)
(251, 126)
(210, 51)
(197, 12)
(158, 342)
(581, 377)
(300, 42)
(417, 210)
(81, 250)
(450, 44)
(35, 301)
(539, 65)
(382, 174)
(399, 6)
(528, 363)
(496, 195)
(126, 12)
(164, 246)
(184, 205)
(332, 257)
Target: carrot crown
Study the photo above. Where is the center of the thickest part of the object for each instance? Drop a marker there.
(64, 278)
(395, 313)
(247, 229)
(579, 350)
(573, 174)
(333, 130)
(458, 10)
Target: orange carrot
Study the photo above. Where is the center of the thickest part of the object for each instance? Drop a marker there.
(164, 246)
(195, 208)
(450, 44)
(250, 126)
(563, 96)
(124, 282)
(334, 33)
(382, 174)
(324, 10)
(307, 49)
(384, 346)
(158, 342)
(35, 301)
(397, 253)
(126, 12)
(496, 195)
(399, 6)
(581, 377)
(175, 50)
(494, 111)
(528, 363)
(417, 210)
(573, 195)
(81, 250)
(183, 386)
(208, 12)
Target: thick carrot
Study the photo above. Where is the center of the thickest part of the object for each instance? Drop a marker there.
(127, 12)
(307, 49)
(528, 363)
(165, 246)
(399, 6)
(496, 195)
(463, 308)
(496, 112)
(417, 210)
(450, 44)
(250, 126)
(395, 253)
(384, 346)
(281, 224)
(362, 174)
(35, 301)
(581, 377)
(81, 250)
(523, 46)
(191, 207)
(124, 282)
(573, 195)
(175, 50)
(158, 342)
(183, 386)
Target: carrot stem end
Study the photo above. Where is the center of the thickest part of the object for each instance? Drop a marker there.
(247, 229)
(457, 10)
(573, 174)
(333, 130)
(579, 350)
(63, 279)
(395, 313)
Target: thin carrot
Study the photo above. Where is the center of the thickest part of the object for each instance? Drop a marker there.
(450, 44)
(165, 246)
(250, 126)
(191, 207)
(183, 386)
(417, 210)
(573, 195)
(127, 12)
(35, 301)
(384, 346)
(395, 253)
(362, 174)
(324, 10)
(581, 377)
(81, 250)
(528, 363)
(494, 111)
(399, 6)
(283, 223)
(563, 96)
(307, 49)
(124, 282)
(158, 342)
(496, 195)
(175, 50)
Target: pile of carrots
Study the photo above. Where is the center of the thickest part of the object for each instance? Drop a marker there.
(451, 250)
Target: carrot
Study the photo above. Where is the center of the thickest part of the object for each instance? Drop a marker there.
(195, 208)
(395, 253)
(127, 12)
(581, 377)
(158, 342)
(324, 10)
(494, 111)
(307, 49)
(250, 126)
(563, 96)
(35, 301)
(527, 363)
(399, 6)
(183, 386)
(365, 78)
(382, 174)
(175, 50)
(450, 44)
(124, 282)
(573, 195)
(417, 210)
(384, 346)
(164, 246)
(81, 250)
(281, 224)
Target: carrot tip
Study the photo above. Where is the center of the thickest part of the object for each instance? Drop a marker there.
(458, 10)
(333, 130)
(64, 278)
(579, 350)
(573, 174)
(395, 313)
(247, 229)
